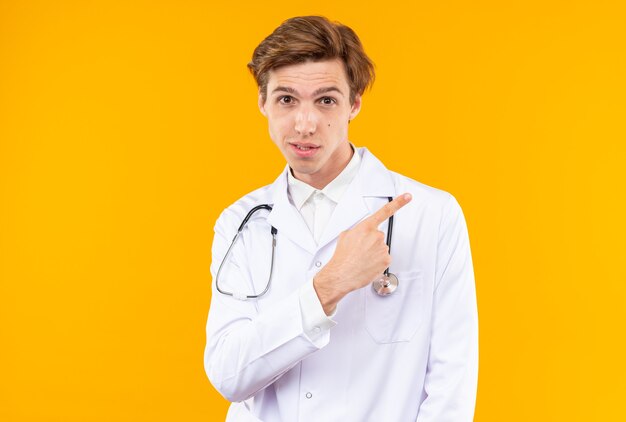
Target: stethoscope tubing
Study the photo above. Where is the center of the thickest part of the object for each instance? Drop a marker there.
(237, 295)
(389, 231)
(274, 232)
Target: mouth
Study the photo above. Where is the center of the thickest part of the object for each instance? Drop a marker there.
(304, 149)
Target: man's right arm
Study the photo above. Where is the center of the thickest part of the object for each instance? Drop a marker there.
(247, 350)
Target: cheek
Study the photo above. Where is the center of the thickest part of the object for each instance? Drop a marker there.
(337, 125)
(279, 128)
(339, 119)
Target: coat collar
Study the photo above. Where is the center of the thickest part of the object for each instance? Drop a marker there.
(372, 180)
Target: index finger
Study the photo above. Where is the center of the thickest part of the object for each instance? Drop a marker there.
(388, 210)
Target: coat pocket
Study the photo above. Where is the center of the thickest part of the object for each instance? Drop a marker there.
(397, 317)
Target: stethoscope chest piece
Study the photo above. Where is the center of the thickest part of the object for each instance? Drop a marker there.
(386, 284)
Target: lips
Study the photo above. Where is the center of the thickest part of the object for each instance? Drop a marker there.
(304, 145)
(303, 149)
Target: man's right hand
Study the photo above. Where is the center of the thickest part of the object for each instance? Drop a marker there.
(361, 256)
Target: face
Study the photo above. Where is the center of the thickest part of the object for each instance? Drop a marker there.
(308, 109)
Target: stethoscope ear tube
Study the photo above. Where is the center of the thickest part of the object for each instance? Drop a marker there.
(251, 212)
(237, 294)
(388, 283)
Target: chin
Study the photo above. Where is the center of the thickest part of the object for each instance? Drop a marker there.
(303, 169)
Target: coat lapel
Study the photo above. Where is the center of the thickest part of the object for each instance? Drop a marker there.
(372, 180)
(286, 218)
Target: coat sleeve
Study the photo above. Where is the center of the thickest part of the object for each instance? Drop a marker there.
(247, 350)
(452, 371)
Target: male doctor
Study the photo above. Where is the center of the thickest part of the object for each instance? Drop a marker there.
(296, 330)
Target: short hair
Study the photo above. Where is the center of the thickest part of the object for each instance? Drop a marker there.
(313, 38)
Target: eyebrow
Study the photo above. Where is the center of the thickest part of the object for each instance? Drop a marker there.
(315, 93)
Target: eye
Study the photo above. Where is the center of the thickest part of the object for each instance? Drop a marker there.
(328, 100)
(286, 99)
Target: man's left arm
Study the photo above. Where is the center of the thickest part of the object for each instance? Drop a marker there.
(452, 372)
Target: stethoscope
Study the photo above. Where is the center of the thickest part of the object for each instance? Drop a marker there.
(384, 286)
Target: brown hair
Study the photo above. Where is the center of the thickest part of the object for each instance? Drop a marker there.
(313, 38)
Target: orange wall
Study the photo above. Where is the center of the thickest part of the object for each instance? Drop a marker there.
(126, 127)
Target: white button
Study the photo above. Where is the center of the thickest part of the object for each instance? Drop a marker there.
(318, 196)
(317, 329)
(309, 395)
(318, 264)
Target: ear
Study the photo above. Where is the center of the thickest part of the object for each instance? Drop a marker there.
(356, 106)
(262, 104)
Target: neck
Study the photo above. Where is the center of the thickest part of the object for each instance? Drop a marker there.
(320, 179)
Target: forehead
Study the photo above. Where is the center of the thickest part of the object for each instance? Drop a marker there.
(310, 75)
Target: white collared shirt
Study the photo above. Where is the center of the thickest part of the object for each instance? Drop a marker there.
(317, 206)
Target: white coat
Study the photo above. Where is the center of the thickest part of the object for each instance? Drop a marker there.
(410, 356)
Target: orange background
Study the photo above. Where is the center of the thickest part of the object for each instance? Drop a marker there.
(126, 127)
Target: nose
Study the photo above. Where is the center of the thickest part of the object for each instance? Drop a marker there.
(306, 122)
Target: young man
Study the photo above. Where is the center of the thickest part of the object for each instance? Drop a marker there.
(297, 331)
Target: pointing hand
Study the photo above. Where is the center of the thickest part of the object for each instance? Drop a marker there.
(361, 256)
